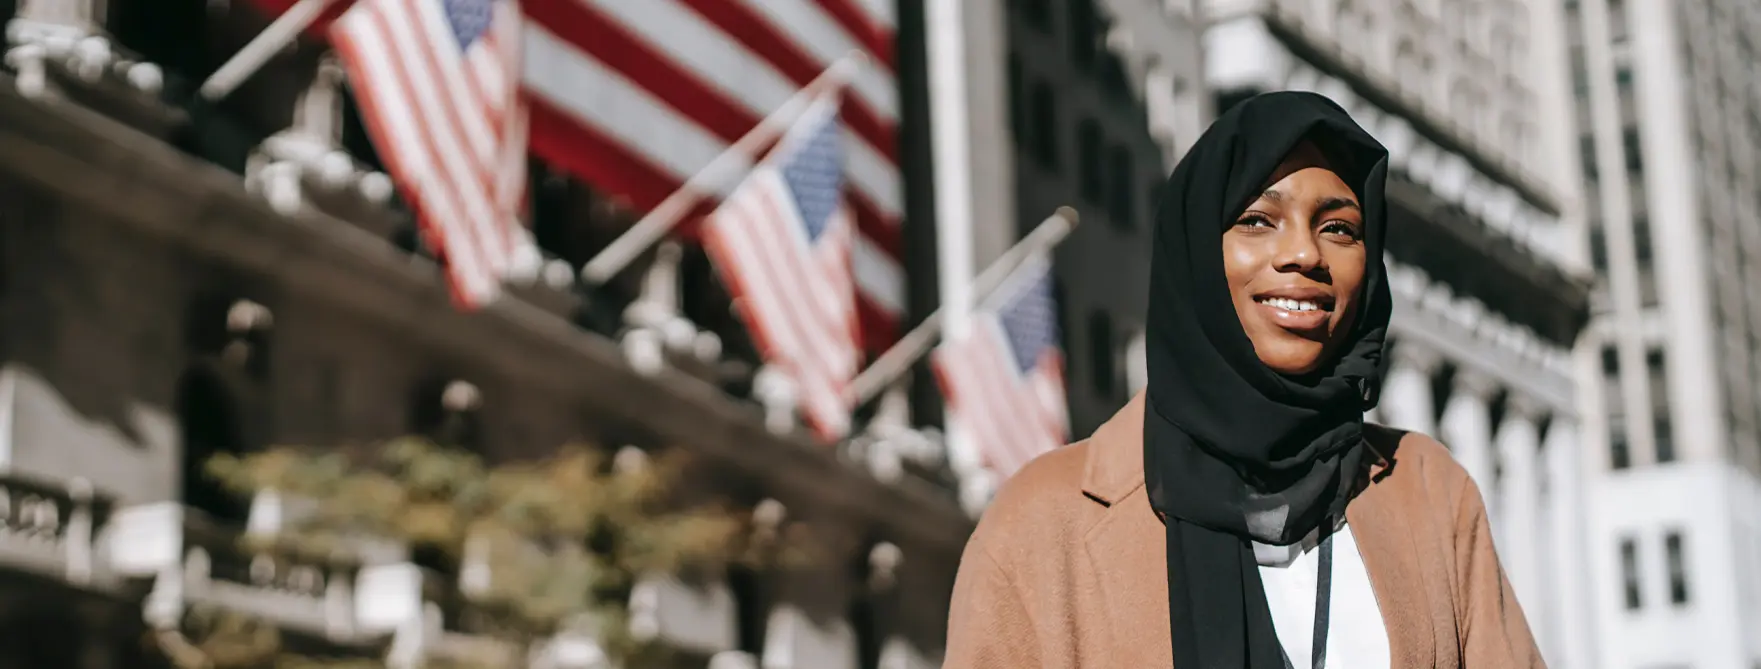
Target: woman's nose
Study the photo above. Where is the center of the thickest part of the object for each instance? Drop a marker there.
(1296, 250)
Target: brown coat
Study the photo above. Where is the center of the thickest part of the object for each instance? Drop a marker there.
(1067, 567)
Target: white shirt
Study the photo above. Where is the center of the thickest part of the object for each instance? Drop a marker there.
(1356, 635)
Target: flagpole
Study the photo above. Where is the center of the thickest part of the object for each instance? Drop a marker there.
(896, 360)
(646, 232)
(280, 33)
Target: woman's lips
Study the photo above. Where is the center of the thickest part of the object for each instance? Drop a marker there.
(1300, 316)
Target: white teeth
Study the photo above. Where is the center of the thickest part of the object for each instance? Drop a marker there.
(1288, 304)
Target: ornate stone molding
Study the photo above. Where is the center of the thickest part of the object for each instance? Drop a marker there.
(1473, 383)
(1481, 344)
(1416, 356)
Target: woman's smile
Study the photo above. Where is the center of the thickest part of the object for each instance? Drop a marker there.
(1301, 310)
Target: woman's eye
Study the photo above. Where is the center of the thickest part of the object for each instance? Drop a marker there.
(1340, 228)
(1254, 222)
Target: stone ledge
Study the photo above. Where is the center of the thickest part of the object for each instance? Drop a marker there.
(1459, 250)
(133, 179)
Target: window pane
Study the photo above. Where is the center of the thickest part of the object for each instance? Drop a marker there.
(1102, 359)
(1678, 573)
(1122, 178)
(1629, 571)
(1045, 126)
(1088, 157)
(1619, 453)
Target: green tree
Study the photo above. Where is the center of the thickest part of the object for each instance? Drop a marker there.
(565, 538)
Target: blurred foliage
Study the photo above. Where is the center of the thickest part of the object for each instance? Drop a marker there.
(564, 539)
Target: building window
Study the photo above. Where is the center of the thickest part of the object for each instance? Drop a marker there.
(1103, 356)
(1580, 73)
(1085, 34)
(1598, 248)
(1642, 240)
(1587, 156)
(1617, 27)
(1658, 367)
(1044, 105)
(1017, 109)
(1123, 195)
(1037, 13)
(1665, 436)
(1620, 454)
(174, 34)
(1093, 182)
(1678, 569)
(1635, 158)
(1629, 574)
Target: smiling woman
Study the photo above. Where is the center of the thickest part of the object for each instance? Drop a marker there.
(1239, 512)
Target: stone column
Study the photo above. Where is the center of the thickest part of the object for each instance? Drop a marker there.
(84, 15)
(1514, 505)
(1467, 425)
(1406, 402)
(1573, 631)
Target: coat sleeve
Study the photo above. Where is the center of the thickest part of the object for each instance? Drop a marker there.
(1495, 634)
(988, 624)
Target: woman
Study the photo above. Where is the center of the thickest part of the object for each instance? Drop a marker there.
(1240, 514)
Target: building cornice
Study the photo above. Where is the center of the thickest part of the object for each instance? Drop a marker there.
(1459, 250)
(1299, 44)
(1432, 129)
(1460, 329)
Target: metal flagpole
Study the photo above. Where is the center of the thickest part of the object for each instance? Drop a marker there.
(645, 233)
(280, 33)
(917, 342)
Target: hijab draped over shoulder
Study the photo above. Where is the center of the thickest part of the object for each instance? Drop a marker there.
(1235, 453)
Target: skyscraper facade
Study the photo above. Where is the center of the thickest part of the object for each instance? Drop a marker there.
(1667, 109)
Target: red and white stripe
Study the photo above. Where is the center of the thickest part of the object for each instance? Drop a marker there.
(796, 297)
(1009, 419)
(636, 97)
(449, 125)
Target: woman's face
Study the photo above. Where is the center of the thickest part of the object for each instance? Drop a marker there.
(1295, 261)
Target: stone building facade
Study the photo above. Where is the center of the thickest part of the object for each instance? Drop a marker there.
(180, 280)
(1667, 107)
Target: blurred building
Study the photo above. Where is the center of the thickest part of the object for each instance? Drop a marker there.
(1483, 255)
(1668, 118)
(1085, 103)
(181, 279)
(1104, 97)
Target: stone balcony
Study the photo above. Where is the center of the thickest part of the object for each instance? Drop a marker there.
(50, 530)
(190, 559)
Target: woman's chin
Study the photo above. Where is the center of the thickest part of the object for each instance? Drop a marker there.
(1292, 358)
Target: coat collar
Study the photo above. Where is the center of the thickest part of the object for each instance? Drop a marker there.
(1114, 463)
(1115, 455)
(1130, 557)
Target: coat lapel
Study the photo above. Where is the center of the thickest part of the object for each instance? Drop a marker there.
(1131, 564)
(1388, 542)
(1126, 555)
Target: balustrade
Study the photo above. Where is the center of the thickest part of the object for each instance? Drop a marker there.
(50, 529)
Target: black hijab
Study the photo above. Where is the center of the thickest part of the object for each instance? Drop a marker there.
(1233, 451)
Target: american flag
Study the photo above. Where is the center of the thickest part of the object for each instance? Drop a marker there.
(782, 243)
(1003, 377)
(636, 96)
(439, 94)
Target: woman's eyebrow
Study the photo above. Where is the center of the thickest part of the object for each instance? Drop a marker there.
(1333, 203)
